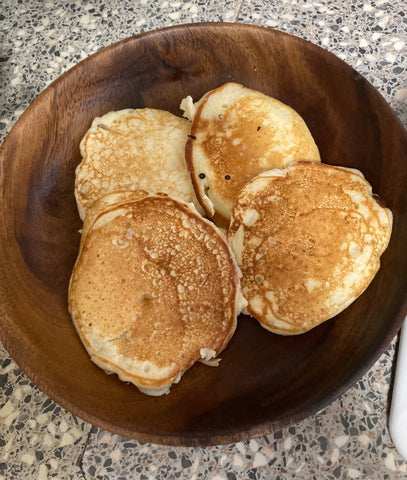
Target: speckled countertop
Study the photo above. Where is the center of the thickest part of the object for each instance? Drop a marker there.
(349, 439)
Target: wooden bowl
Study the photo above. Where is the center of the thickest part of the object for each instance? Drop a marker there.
(264, 382)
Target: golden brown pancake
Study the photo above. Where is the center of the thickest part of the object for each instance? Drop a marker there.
(140, 149)
(237, 133)
(155, 288)
(107, 202)
(308, 240)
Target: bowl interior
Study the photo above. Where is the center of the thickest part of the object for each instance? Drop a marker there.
(264, 381)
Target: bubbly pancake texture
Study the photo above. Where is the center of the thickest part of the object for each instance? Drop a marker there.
(237, 133)
(108, 202)
(155, 288)
(130, 150)
(308, 240)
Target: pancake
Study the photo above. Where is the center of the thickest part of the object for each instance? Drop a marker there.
(155, 288)
(237, 133)
(108, 202)
(131, 150)
(308, 240)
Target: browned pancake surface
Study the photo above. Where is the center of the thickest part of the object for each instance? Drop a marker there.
(141, 149)
(308, 240)
(236, 134)
(154, 285)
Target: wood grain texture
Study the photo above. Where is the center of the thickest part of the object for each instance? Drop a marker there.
(265, 381)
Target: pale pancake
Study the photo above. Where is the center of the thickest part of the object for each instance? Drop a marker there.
(237, 133)
(155, 288)
(131, 150)
(308, 240)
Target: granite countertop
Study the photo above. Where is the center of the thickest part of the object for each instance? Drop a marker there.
(348, 439)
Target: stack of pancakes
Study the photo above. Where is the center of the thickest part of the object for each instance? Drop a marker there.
(157, 287)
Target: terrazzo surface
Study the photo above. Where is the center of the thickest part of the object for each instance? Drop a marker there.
(349, 439)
